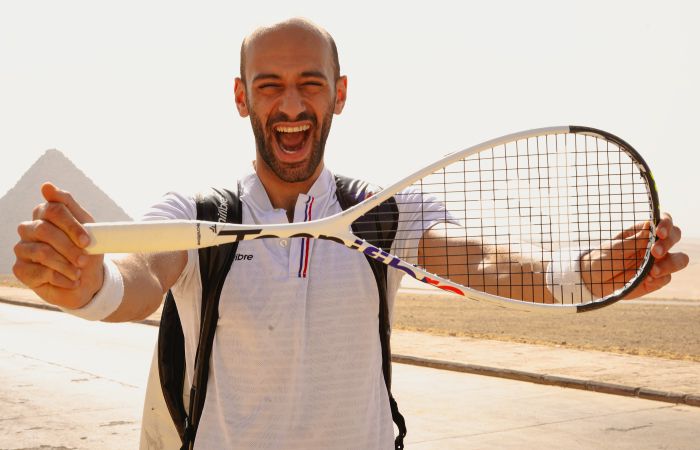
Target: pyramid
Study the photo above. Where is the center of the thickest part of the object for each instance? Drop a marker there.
(17, 204)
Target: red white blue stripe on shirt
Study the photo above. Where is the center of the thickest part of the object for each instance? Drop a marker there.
(304, 254)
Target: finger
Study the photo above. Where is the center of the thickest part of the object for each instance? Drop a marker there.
(662, 246)
(652, 284)
(60, 296)
(606, 287)
(663, 228)
(605, 269)
(53, 194)
(672, 262)
(59, 215)
(617, 256)
(631, 231)
(45, 255)
(35, 275)
(649, 285)
(629, 251)
(47, 232)
(631, 244)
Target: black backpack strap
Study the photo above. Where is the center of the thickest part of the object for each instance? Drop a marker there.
(214, 265)
(171, 363)
(377, 227)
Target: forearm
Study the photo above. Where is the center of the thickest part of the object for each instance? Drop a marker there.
(513, 274)
(516, 272)
(146, 277)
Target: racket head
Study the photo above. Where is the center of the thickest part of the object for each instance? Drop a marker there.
(644, 172)
(542, 193)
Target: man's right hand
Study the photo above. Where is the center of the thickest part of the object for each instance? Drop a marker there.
(50, 254)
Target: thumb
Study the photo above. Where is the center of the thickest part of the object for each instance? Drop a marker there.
(53, 194)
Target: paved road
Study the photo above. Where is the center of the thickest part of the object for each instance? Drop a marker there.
(71, 384)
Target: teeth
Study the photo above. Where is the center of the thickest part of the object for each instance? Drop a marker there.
(292, 129)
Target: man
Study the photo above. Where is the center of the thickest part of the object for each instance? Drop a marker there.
(296, 362)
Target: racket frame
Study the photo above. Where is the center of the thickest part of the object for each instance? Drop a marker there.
(337, 227)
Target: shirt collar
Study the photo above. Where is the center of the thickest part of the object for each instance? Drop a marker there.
(254, 195)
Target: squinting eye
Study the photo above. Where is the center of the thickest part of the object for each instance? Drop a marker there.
(312, 86)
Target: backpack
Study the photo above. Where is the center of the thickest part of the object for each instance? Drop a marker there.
(377, 227)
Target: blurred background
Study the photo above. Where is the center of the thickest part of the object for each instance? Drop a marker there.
(139, 94)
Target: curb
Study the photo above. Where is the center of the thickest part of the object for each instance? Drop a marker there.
(44, 306)
(553, 380)
(498, 372)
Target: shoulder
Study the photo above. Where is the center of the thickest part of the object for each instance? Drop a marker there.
(172, 206)
(176, 205)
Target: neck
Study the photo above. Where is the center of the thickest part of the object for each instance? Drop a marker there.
(283, 194)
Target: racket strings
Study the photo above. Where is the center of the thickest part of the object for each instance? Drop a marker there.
(549, 200)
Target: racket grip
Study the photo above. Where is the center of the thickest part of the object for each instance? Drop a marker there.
(142, 237)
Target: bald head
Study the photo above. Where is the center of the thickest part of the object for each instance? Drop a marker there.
(298, 26)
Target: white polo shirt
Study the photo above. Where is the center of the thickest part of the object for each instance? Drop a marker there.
(296, 361)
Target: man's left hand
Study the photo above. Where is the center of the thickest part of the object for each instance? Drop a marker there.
(611, 261)
(665, 262)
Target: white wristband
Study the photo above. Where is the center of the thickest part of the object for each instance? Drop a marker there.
(563, 278)
(107, 299)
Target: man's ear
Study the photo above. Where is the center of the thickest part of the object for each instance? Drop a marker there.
(341, 93)
(240, 97)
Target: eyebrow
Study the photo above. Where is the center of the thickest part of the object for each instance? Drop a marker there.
(305, 74)
(313, 74)
(266, 76)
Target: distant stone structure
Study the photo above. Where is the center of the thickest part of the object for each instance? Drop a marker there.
(16, 206)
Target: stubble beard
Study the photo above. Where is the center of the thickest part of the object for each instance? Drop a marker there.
(291, 173)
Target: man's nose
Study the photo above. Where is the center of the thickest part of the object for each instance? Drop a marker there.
(292, 103)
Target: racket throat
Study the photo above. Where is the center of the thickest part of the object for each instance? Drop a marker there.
(395, 262)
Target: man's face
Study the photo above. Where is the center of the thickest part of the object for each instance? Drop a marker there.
(290, 94)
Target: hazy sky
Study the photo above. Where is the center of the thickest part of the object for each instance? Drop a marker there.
(139, 94)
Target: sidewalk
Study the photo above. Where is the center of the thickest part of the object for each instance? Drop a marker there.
(638, 376)
(67, 383)
(658, 379)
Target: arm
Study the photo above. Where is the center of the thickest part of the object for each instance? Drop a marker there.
(494, 269)
(51, 261)
(147, 277)
(520, 273)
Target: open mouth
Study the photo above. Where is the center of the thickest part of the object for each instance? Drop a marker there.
(292, 139)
